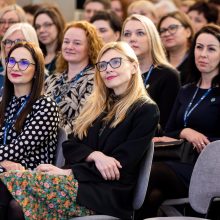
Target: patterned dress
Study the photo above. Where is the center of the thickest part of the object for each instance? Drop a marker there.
(70, 95)
(36, 143)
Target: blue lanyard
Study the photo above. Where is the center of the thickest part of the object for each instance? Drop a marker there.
(67, 85)
(9, 124)
(191, 108)
(148, 75)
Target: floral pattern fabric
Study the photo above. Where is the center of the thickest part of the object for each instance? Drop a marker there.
(70, 95)
(43, 196)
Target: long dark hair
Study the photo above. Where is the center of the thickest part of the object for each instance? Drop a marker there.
(194, 74)
(37, 85)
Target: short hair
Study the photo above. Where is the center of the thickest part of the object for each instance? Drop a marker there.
(37, 85)
(209, 11)
(56, 16)
(18, 10)
(110, 16)
(27, 30)
(105, 3)
(183, 19)
(194, 74)
(95, 44)
(32, 8)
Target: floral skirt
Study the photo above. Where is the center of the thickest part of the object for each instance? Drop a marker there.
(43, 196)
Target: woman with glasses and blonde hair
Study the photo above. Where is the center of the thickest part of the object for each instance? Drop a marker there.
(160, 78)
(28, 119)
(49, 24)
(105, 150)
(176, 33)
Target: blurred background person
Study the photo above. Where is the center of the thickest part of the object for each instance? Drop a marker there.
(73, 81)
(49, 24)
(143, 7)
(160, 78)
(186, 4)
(202, 13)
(216, 3)
(118, 7)
(108, 25)
(176, 32)
(92, 6)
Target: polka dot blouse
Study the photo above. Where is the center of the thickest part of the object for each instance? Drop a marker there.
(36, 143)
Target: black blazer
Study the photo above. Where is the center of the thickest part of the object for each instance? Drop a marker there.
(127, 143)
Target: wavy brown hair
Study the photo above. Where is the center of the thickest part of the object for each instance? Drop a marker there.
(95, 44)
(37, 85)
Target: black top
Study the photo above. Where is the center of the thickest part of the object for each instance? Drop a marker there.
(127, 143)
(205, 118)
(36, 143)
(163, 87)
(184, 70)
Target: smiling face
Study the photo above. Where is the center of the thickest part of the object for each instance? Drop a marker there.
(207, 54)
(118, 78)
(135, 35)
(105, 31)
(18, 77)
(75, 46)
(46, 29)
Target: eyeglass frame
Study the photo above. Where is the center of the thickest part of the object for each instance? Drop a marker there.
(162, 31)
(10, 22)
(44, 25)
(18, 63)
(109, 63)
(12, 42)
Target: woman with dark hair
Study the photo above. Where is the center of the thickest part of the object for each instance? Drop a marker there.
(49, 24)
(176, 33)
(28, 119)
(195, 118)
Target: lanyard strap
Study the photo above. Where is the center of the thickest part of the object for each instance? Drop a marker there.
(67, 85)
(191, 108)
(9, 124)
(148, 75)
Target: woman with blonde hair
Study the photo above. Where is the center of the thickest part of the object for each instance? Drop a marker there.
(104, 153)
(73, 80)
(160, 78)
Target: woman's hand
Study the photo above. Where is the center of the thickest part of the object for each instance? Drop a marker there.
(9, 165)
(163, 139)
(107, 166)
(53, 170)
(198, 140)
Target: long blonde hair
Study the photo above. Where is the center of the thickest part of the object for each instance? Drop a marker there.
(100, 99)
(154, 41)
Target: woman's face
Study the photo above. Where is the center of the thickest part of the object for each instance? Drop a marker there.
(7, 20)
(198, 20)
(116, 71)
(207, 54)
(106, 32)
(117, 8)
(174, 34)
(135, 35)
(21, 68)
(10, 41)
(46, 29)
(75, 46)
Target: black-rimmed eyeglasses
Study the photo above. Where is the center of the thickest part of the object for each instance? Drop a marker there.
(9, 43)
(172, 29)
(23, 64)
(114, 63)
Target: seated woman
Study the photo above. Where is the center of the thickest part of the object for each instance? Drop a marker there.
(195, 118)
(28, 120)
(160, 78)
(73, 80)
(103, 155)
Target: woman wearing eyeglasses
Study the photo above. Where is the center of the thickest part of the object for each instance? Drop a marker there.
(176, 33)
(104, 152)
(73, 81)
(28, 119)
(49, 24)
(160, 78)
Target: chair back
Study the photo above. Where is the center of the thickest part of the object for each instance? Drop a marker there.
(204, 183)
(143, 178)
(62, 136)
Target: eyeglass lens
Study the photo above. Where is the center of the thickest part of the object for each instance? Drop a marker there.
(171, 29)
(23, 64)
(114, 63)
